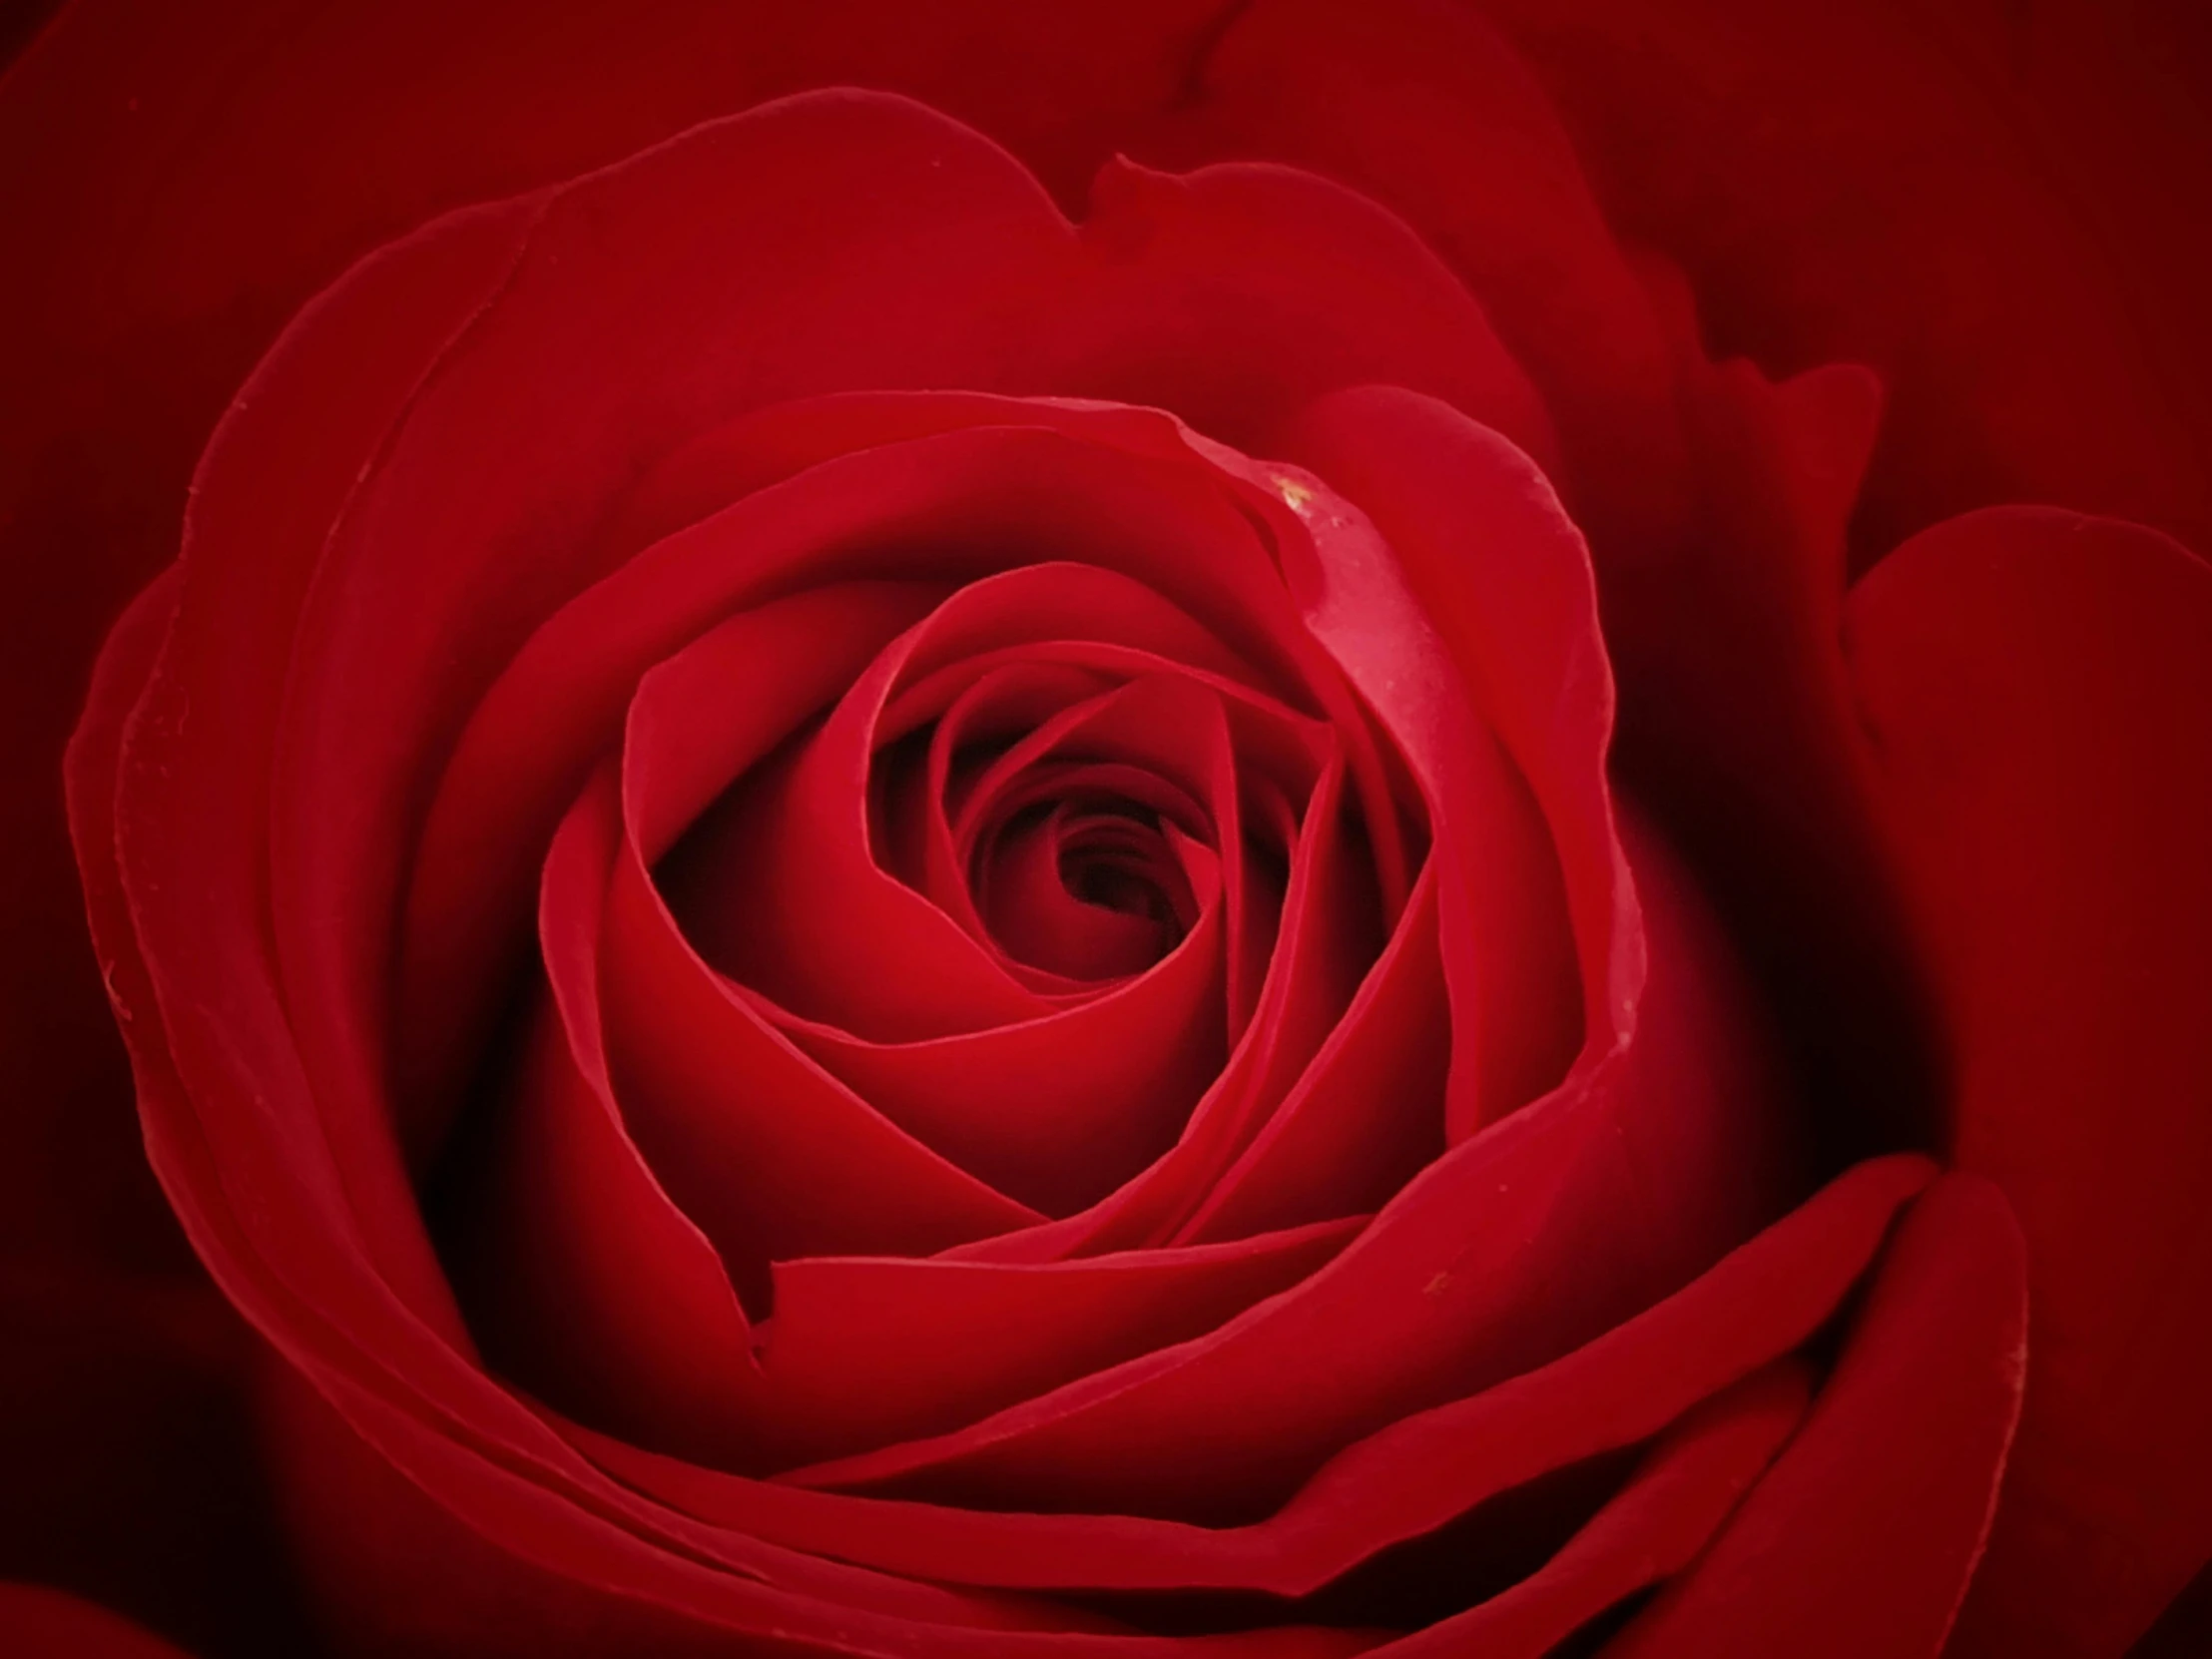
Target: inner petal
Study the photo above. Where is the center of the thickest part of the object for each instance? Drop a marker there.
(1005, 699)
(1091, 892)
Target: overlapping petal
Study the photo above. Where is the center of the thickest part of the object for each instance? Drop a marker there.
(2036, 691)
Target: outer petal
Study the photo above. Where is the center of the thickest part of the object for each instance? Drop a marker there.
(2039, 690)
(1649, 1530)
(121, 1394)
(1860, 1539)
(1417, 1473)
(1421, 106)
(49, 1624)
(1995, 207)
(397, 1573)
(1737, 729)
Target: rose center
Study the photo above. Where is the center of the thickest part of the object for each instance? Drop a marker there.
(1086, 888)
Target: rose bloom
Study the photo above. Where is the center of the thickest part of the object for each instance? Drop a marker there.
(1111, 830)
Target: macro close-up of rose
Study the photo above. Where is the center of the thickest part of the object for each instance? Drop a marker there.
(1277, 829)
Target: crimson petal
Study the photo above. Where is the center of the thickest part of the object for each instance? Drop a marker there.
(1932, 1373)
(1625, 1385)
(2037, 688)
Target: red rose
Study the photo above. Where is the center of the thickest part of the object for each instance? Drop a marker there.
(870, 882)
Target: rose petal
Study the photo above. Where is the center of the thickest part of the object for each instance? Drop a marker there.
(964, 1338)
(51, 1624)
(1052, 905)
(2039, 690)
(1930, 1373)
(1625, 1385)
(398, 1571)
(2014, 181)
(330, 1219)
(777, 883)
(1422, 106)
(531, 745)
(766, 1151)
(565, 1220)
(1650, 1531)
(1368, 1111)
(1515, 891)
(1737, 729)
(1050, 1110)
(1235, 292)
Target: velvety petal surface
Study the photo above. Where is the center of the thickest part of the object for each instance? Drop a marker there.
(2037, 691)
(1838, 1552)
(1621, 1389)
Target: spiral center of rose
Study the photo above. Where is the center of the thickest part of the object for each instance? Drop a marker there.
(1085, 887)
(1011, 864)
